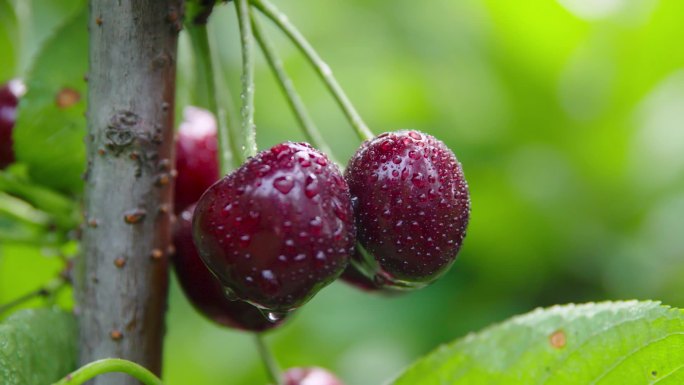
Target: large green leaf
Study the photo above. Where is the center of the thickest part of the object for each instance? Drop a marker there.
(607, 343)
(37, 347)
(48, 136)
(8, 41)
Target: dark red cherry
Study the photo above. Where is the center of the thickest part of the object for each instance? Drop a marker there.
(9, 99)
(204, 291)
(277, 229)
(411, 206)
(310, 376)
(196, 156)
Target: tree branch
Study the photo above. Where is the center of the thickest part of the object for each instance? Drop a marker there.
(122, 277)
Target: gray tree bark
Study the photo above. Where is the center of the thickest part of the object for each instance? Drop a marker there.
(122, 277)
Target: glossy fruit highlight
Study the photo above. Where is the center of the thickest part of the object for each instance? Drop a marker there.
(277, 229)
(411, 205)
(204, 291)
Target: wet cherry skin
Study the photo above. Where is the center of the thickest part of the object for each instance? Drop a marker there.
(9, 99)
(277, 229)
(196, 156)
(411, 205)
(204, 291)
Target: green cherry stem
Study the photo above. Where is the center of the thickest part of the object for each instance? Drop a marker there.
(323, 70)
(210, 97)
(109, 365)
(269, 361)
(247, 95)
(294, 100)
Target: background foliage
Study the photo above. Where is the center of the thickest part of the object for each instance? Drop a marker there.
(567, 117)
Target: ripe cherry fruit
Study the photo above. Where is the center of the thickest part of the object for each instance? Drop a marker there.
(310, 376)
(411, 205)
(196, 156)
(277, 229)
(9, 99)
(204, 291)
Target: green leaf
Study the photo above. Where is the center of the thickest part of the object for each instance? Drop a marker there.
(606, 343)
(8, 39)
(37, 347)
(48, 136)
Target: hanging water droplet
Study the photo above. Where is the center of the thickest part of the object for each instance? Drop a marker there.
(311, 189)
(283, 184)
(268, 275)
(316, 225)
(273, 316)
(386, 146)
(321, 161)
(244, 240)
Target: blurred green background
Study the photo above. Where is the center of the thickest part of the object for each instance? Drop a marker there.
(568, 117)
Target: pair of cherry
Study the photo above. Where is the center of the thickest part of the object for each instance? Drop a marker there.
(262, 240)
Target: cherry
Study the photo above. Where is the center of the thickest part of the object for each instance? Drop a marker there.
(411, 205)
(204, 291)
(9, 99)
(277, 229)
(310, 376)
(196, 156)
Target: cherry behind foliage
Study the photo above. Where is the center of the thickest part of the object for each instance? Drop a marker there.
(204, 291)
(279, 228)
(411, 204)
(9, 99)
(196, 156)
(310, 376)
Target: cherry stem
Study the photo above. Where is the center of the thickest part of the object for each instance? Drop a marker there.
(247, 95)
(49, 290)
(309, 128)
(323, 70)
(109, 365)
(210, 97)
(269, 361)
